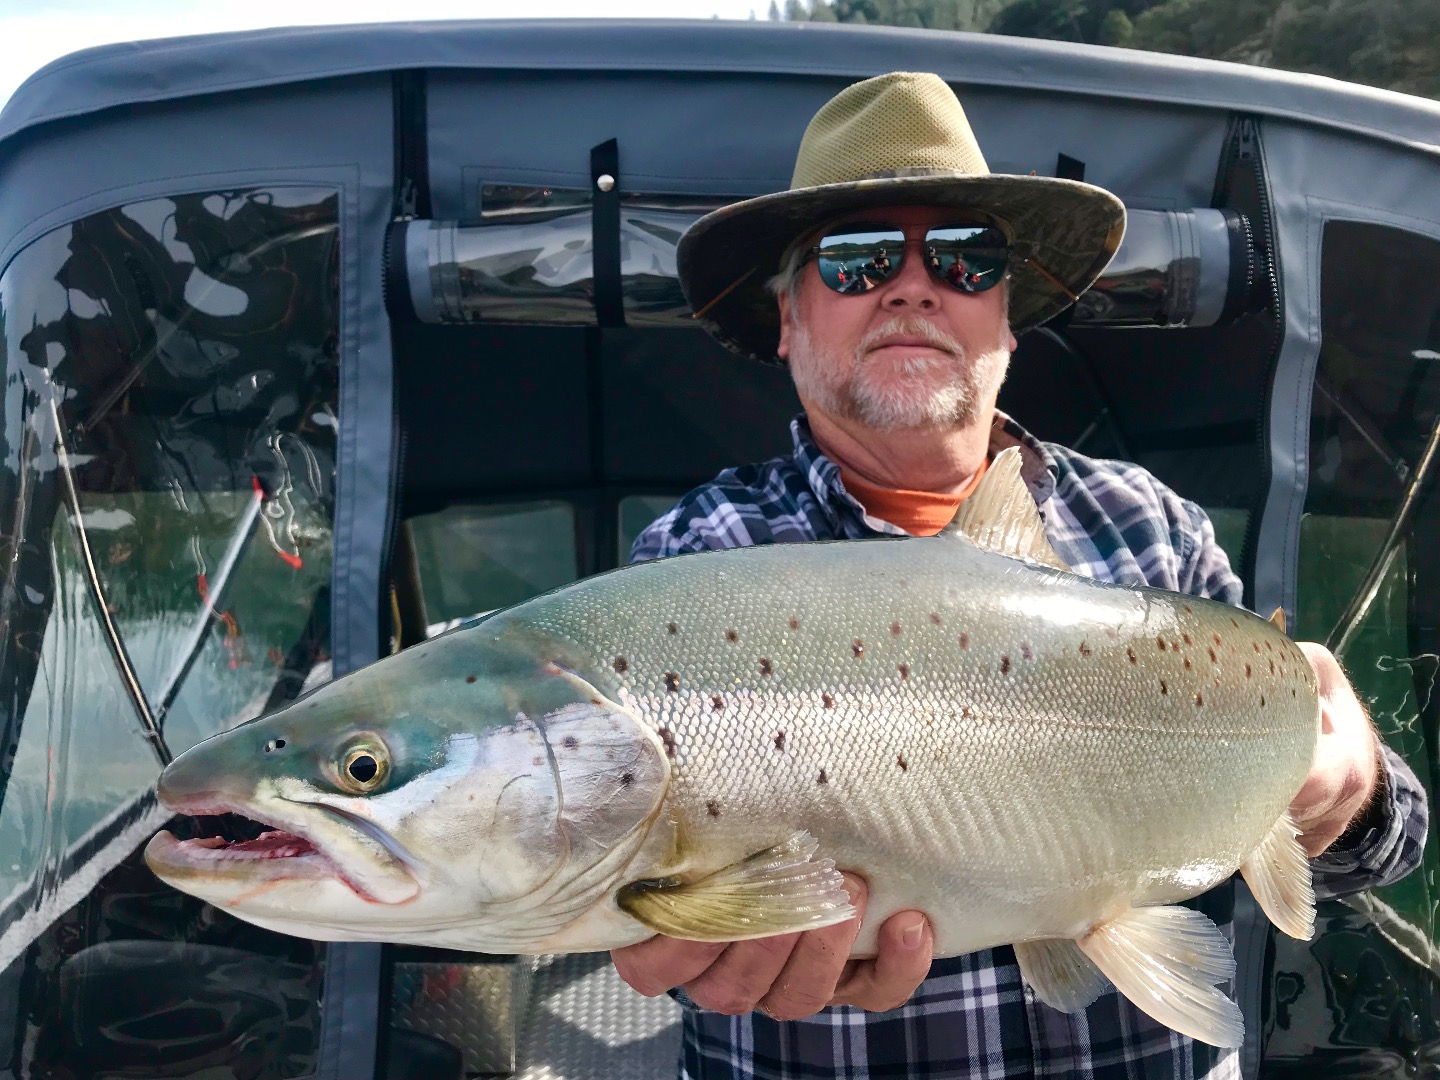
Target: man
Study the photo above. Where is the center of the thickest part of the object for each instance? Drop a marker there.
(899, 385)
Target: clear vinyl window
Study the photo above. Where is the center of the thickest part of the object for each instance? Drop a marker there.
(166, 506)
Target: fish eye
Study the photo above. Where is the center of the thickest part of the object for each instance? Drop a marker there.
(364, 765)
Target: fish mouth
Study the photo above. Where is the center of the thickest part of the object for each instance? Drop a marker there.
(234, 846)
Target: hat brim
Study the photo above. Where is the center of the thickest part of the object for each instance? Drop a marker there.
(1069, 229)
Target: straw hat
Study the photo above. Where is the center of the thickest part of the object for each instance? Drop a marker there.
(899, 139)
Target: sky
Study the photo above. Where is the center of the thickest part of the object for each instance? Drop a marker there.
(34, 32)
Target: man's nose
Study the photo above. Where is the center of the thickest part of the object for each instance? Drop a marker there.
(913, 286)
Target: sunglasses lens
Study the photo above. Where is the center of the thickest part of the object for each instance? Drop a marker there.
(970, 257)
(856, 260)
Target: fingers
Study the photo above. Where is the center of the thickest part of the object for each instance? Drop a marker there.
(791, 976)
(743, 975)
(1346, 768)
(663, 963)
(904, 949)
(814, 968)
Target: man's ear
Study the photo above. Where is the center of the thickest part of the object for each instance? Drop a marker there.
(783, 349)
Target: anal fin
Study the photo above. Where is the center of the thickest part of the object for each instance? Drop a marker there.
(1167, 962)
(780, 890)
(1061, 975)
(1278, 873)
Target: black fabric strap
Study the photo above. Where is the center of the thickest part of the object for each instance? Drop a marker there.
(605, 237)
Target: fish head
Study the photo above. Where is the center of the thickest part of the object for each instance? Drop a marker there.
(443, 788)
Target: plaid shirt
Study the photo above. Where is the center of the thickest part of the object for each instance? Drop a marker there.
(973, 1016)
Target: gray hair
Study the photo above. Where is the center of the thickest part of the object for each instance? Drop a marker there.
(786, 282)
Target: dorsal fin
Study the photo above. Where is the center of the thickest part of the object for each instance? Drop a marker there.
(1277, 619)
(1001, 516)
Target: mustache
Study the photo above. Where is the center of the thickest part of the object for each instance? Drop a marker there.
(910, 326)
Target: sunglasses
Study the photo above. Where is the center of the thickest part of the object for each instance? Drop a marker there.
(857, 258)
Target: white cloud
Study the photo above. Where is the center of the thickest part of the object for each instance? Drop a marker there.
(30, 41)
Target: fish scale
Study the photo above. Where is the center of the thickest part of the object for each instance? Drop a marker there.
(692, 746)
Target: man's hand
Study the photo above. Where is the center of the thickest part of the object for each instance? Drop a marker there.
(1346, 769)
(791, 976)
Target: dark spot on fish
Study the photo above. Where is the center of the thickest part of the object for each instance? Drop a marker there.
(964, 641)
(827, 701)
(794, 623)
(1213, 658)
(1004, 665)
(717, 702)
(934, 618)
(1027, 652)
(570, 742)
(900, 760)
(766, 667)
(596, 701)
(672, 628)
(1085, 649)
(732, 636)
(1269, 647)
(1272, 667)
(712, 808)
(1186, 638)
(1187, 663)
(672, 682)
(894, 629)
(537, 761)
(1247, 671)
(1255, 645)
(1199, 699)
(626, 779)
(1215, 638)
(1293, 692)
(1262, 701)
(1160, 641)
(904, 671)
(822, 778)
(668, 738)
(1189, 610)
(621, 665)
(858, 648)
(967, 713)
(1163, 688)
(779, 740)
(469, 678)
(1217, 680)
(1235, 624)
(1131, 654)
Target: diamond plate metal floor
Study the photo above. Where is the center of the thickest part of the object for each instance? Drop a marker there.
(584, 1023)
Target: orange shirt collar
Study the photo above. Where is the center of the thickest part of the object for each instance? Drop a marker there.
(919, 513)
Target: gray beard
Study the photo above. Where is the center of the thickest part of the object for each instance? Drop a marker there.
(839, 385)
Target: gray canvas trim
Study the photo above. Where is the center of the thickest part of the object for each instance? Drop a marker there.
(116, 75)
(1301, 229)
(350, 1021)
(1251, 932)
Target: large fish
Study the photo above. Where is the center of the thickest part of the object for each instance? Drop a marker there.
(691, 746)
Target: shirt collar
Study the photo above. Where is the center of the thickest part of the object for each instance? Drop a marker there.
(1037, 468)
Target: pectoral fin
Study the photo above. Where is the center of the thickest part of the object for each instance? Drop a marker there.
(776, 891)
(1278, 873)
(1001, 516)
(1061, 975)
(1167, 962)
